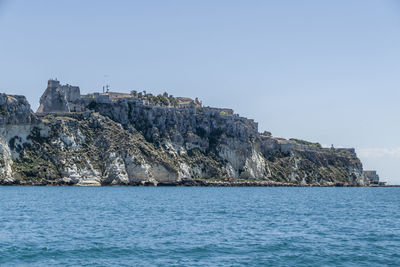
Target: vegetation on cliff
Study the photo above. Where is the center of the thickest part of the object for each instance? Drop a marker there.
(126, 142)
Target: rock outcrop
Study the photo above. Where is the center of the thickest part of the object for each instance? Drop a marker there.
(372, 177)
(15, 109)
(127, 141)
(16, 120)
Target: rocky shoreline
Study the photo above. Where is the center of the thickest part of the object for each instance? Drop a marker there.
(188, 183)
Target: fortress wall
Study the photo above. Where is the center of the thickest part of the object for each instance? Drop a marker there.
(287, 146)
(72, 93)
(59, 98)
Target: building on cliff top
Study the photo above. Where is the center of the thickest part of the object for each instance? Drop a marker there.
(59, 98)
(186, 102)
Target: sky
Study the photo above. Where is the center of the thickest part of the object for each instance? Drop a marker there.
(323, 71)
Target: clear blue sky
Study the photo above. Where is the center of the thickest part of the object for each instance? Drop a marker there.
(324, 71)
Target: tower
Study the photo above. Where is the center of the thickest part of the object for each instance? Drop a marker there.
(53, 84)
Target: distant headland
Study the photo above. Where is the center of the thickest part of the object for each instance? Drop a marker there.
(137, 138)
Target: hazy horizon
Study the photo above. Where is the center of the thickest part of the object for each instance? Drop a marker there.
(325, 72)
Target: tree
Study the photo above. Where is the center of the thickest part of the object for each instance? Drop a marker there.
(173, 101)
(266, 133)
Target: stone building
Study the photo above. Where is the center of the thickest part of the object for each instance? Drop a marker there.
(60, 98)
(187, 102)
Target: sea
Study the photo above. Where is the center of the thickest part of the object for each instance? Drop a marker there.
(199, 226)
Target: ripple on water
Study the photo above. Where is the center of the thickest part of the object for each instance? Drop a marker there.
(125, 226)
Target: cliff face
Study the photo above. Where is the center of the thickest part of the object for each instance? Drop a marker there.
(16, 119)
(128, 142)
(90, 150)
(15, 109)
(232, 141)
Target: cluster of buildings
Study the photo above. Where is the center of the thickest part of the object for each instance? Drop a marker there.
(59, 98)
(187, 102)
(67, 98)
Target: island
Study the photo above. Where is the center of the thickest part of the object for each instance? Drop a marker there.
(137, 138)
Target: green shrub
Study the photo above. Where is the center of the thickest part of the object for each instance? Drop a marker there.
(267, 133)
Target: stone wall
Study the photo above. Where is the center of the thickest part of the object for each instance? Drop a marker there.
(284, 146)
(60, 98)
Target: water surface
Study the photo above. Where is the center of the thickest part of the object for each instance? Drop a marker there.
(193, 226)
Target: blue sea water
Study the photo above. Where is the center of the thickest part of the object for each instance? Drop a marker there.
(193, 226)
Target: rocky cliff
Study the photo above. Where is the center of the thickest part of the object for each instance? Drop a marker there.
(128, 142)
